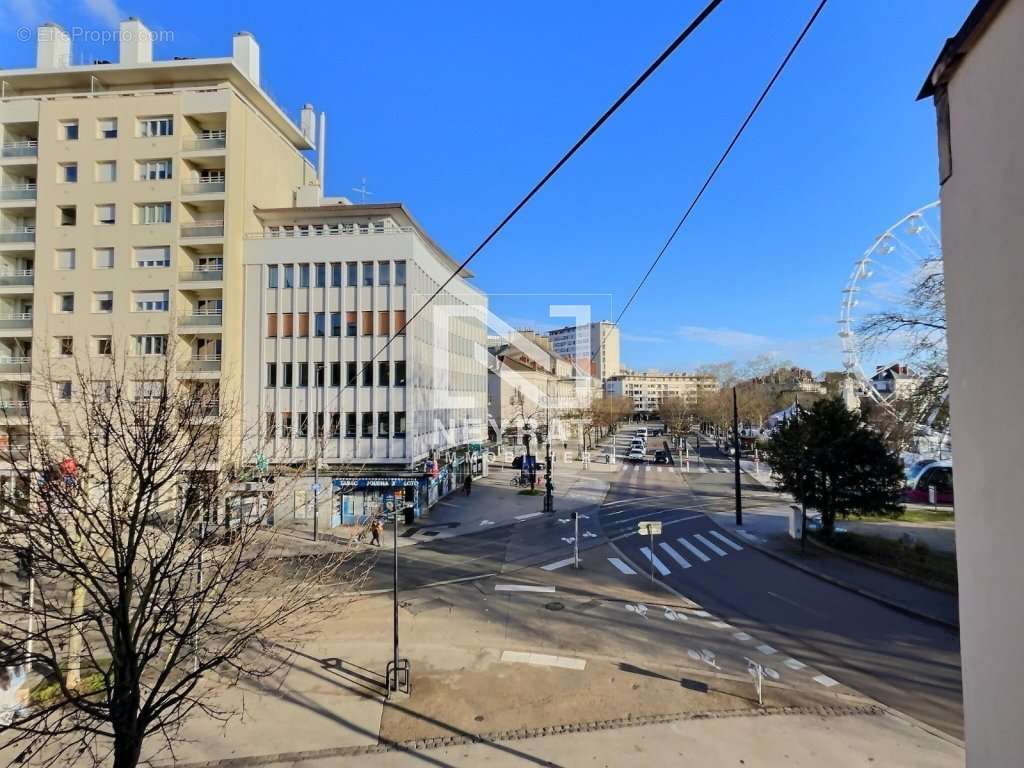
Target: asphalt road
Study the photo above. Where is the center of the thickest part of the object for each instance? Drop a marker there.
(910, 665)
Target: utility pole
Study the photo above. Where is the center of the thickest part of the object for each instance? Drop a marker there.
(317, 372)
(549, 502)
(395, 602)
(736, 445)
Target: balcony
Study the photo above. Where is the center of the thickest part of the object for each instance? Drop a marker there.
(17, 235)
(207, 140)
(25, 191)
(14, 452)
(202, 276)
(13, 409)
(16, 365)
(27, 148)
(16, 321)
(203, 187)
(197, 318)
(205, 229)
(201, 364)
(16, 277)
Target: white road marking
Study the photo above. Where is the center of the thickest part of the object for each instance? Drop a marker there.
(727, 540)
(639, 609)
(659, 469)
(486, 522)
(522, 588)
(794, 664)
(743, 636)
(658, 565)
(569, 539)
(704, 558)
(710, 545)
(674, 555)
(702, 614)
(623, 568)
(825, 680)
(766, 649)
(543, 660)
(529, 515)
(556, 566)
(721, 625)
(589, 535)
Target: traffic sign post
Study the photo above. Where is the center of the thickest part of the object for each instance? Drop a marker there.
(650, 528)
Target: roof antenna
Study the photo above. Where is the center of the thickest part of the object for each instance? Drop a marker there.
(321, 150)
(362, 190)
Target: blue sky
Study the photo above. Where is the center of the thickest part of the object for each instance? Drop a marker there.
(457, 108)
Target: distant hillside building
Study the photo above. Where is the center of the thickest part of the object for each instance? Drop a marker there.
(896, 381)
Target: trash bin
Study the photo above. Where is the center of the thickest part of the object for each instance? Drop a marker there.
(796, 522)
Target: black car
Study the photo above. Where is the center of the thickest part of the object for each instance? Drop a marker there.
(661, 457)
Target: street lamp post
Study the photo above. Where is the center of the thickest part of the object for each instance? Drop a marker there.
(736, 446)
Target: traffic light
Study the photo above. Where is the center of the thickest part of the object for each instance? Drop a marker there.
(23, 565)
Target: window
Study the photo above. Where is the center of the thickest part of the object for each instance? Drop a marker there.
(335, 275)
(400, 373)
(318, 427)
(399, 424)
(153, 256)
(384, 273)
(271, 428)
(350, 374)
(150, 301)
(106, 128)
(303, 374)
(350, 323)
(272, 276)
(384, 323)
(149, 389)
(367, 375)
(153, 213)
(271, 325)
(102, 390)
(383, 373)
(64, 302)
(288, 276)
(103, 258)
(318, 374)
(62, 390)
(335, 324)
(156, 126)
(155, 170)
(287, 325)
(67, 215)
(286, 424)
(65, 346)
(103, 301)
(367, 273)
(303, 325)
(64, 259)
(286, 375)
(350, 425)
(400, 322)
(321, 276)
(106, 213)
(103, 346)
(271, 375)
(352, 269)
(68, 173)
(367, 430)
(151, 344)
(319, 329)
(106, 170)
(304, 276)
(367, 323)
(383, 424)
(335, 425)
(303, 428)
(69, 130)
(335, 374)
(399, 273)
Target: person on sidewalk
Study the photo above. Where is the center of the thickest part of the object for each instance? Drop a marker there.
(376, 528)
(467, 484)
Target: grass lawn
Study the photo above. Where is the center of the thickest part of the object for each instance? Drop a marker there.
(528, 492)
(47, 692)
(911, 515)
(918, 562)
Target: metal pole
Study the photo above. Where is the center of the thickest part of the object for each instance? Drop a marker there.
(736, 442)
(316, 453)
(650, 531)
(576, 540)
(395, 604)
(31, 611)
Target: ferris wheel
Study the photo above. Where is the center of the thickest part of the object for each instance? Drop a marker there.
(882, 284)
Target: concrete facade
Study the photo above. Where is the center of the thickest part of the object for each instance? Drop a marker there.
(980, 106)
(595, 347)
(647, 390)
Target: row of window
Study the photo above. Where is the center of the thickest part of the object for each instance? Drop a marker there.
(286, 427)
(146, 257)
(106, 214)
(296, 325)
(106, 127)
(142, 301)
(329, 374)
(318, 273)
(158, 169)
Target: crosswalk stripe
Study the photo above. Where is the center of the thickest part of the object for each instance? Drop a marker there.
(557, 565)
(825, 680)
(727, 540)
(704, 558)
(766, 649)
(794, 664)
(674, 555)
(623, 568)
(658, 565)
(710, 545)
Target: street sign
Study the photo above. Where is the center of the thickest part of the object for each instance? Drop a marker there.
(315, 488)
(649, 528)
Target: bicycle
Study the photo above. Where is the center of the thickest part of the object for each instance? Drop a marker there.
(516, 481)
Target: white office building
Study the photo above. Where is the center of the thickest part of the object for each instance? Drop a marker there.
(647, 390)
(594, 347)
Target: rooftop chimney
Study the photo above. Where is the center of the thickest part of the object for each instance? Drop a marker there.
(53, 47)
(136, 42)
(307, 123)
(246, 53)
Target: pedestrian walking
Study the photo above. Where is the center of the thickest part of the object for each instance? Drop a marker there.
(467, 484)
(376, 528)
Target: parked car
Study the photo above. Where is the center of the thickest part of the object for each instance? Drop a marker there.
(917, 468)
(661, 457)
(635, 455)
(939, 474)
(814, 524)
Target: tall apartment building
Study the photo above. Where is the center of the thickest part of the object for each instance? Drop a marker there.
(125, 191)
(647, 390)
(594, 347)
(326, 285)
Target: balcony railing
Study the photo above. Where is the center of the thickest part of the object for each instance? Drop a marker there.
(16, 277)
(203, 317)
(15, 365)
(203, 229)
(207, 140)
(14, 451)
(18, 235)
(14, 409)
(18, 192)
(27, 148)
(16, 320)
(202, 364)
(208, 409)
(201, 276)
(203, 187)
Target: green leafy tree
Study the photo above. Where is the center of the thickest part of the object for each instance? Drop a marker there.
(828, 459)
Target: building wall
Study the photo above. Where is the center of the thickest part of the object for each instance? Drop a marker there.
(599, 342)
(647, 390)
(982, 233)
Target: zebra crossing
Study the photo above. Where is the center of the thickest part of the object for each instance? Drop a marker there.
(684, 551)
(693, 469)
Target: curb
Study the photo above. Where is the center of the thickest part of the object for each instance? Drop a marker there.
(846, 585)
(519, 734)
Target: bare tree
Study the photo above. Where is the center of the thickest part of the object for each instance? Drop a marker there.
(152, 562)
